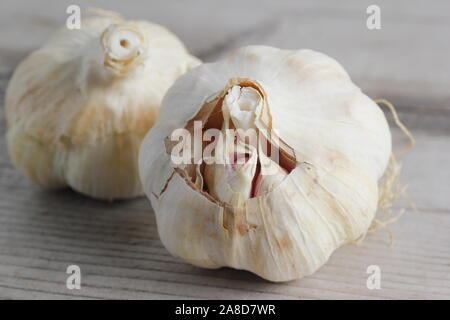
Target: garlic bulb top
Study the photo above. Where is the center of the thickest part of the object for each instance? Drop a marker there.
(278, 213)
(78, 108)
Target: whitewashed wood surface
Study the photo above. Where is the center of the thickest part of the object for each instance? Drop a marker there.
(116, 244)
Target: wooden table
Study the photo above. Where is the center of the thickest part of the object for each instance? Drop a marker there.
(116, 244)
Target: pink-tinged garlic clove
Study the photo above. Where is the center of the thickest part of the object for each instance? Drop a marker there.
(226, 181)
(266, 183)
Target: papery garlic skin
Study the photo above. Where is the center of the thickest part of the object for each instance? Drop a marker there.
(341, 144)
(78, 108)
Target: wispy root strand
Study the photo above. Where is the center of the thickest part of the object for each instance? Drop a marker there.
(390, 188)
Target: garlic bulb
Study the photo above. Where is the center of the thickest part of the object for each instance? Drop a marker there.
(78, 108)
(278, 213)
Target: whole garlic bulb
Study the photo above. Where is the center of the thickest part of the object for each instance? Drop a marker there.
(333, 143)
(78, 108)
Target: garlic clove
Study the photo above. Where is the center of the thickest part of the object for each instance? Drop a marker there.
(270, 176)
(232, 175)
(242, 104)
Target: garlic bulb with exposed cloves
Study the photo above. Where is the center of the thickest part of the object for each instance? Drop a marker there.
(78, 108)
(280, 205)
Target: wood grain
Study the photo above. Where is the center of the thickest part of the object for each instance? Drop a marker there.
(116, 244)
